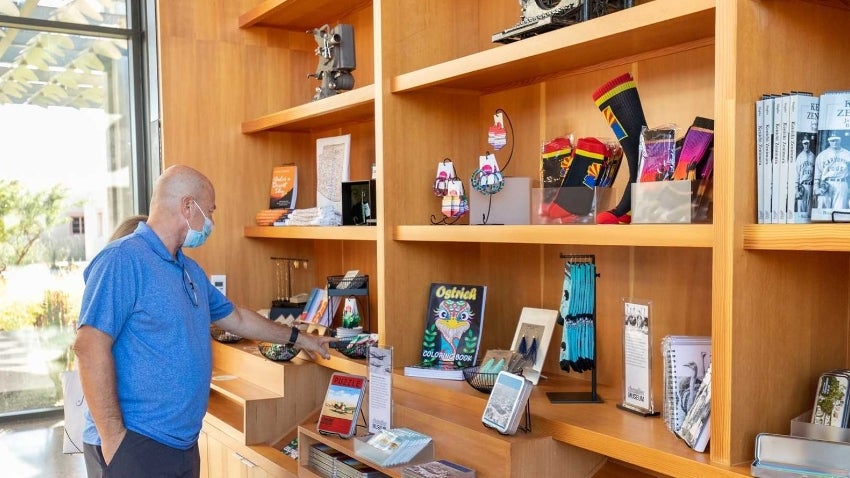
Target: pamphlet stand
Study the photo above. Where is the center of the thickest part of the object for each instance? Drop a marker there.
(592, 396)
(525, 424)
(637, 358)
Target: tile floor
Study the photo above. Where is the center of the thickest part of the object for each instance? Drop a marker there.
(32, 447)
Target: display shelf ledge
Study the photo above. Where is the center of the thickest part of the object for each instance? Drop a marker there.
(298, 15)
(346, 233)
(603, 428)
(350, 106)
(649, 235)
(797, 237)
(341, 363)
(653, 28)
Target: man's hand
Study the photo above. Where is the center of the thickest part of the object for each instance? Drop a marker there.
(314, 345)
(247, 323)
(109, 446)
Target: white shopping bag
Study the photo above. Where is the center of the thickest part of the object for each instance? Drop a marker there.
(75, 409)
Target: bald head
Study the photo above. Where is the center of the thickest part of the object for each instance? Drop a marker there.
(175, 194)
(176, 182)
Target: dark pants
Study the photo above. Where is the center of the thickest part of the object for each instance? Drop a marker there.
(143, 457)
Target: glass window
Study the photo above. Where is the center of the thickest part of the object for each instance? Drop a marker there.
(71, 155)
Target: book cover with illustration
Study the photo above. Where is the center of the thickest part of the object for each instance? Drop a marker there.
(341, 407)
(831, 181)
(453, 325)
(284, 188)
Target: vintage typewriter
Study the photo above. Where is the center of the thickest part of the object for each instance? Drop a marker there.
(540, 16)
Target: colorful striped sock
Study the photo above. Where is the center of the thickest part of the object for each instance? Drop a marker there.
(619, 102)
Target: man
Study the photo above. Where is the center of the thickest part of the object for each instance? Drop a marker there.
(143, 343)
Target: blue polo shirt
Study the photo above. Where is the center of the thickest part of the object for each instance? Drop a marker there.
(158, 310)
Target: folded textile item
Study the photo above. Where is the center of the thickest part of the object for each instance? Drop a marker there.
(314, 216)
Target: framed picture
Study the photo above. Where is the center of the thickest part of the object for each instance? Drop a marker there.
(332, 165)
(358, 203)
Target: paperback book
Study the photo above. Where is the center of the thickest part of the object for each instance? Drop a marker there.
(802, 139)
(341, 407)
(832, 163)
(452, 336)
(284, 188)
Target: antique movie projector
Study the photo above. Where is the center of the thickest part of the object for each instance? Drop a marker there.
(540, 16)
(335, 49)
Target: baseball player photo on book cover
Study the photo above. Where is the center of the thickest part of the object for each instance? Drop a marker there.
(832, 162)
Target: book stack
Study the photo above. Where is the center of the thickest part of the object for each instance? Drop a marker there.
(322, 458)
(437, 469)
(348, 467)
(393, 446)
(787, 140)
(333, 463)
(686, 363)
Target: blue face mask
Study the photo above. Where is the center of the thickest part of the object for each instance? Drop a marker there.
(196, 238)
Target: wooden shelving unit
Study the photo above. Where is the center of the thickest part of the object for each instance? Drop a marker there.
(797, 237)
(773, 297)
(350, 106)
(347, 233)
(697, 236)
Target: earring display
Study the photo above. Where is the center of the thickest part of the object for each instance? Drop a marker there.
(448, 187)
(488, 178)
(531, 339)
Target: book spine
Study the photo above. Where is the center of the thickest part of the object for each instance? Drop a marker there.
(760, 104)
(775, 160)
(801, 169)
(782, 201)
(767, 147)
(794, 103)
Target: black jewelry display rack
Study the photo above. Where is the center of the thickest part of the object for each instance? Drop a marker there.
(356, 286)
(590, 396)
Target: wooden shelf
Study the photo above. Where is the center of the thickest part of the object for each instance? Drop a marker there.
(652, 29)
(650, 235)
(347, 233)
(308, 436)
(797, 237)
(299, 15)
(351, 106)
(599, 427)
(226, 415)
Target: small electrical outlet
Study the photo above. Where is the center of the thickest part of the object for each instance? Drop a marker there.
(219, 281)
